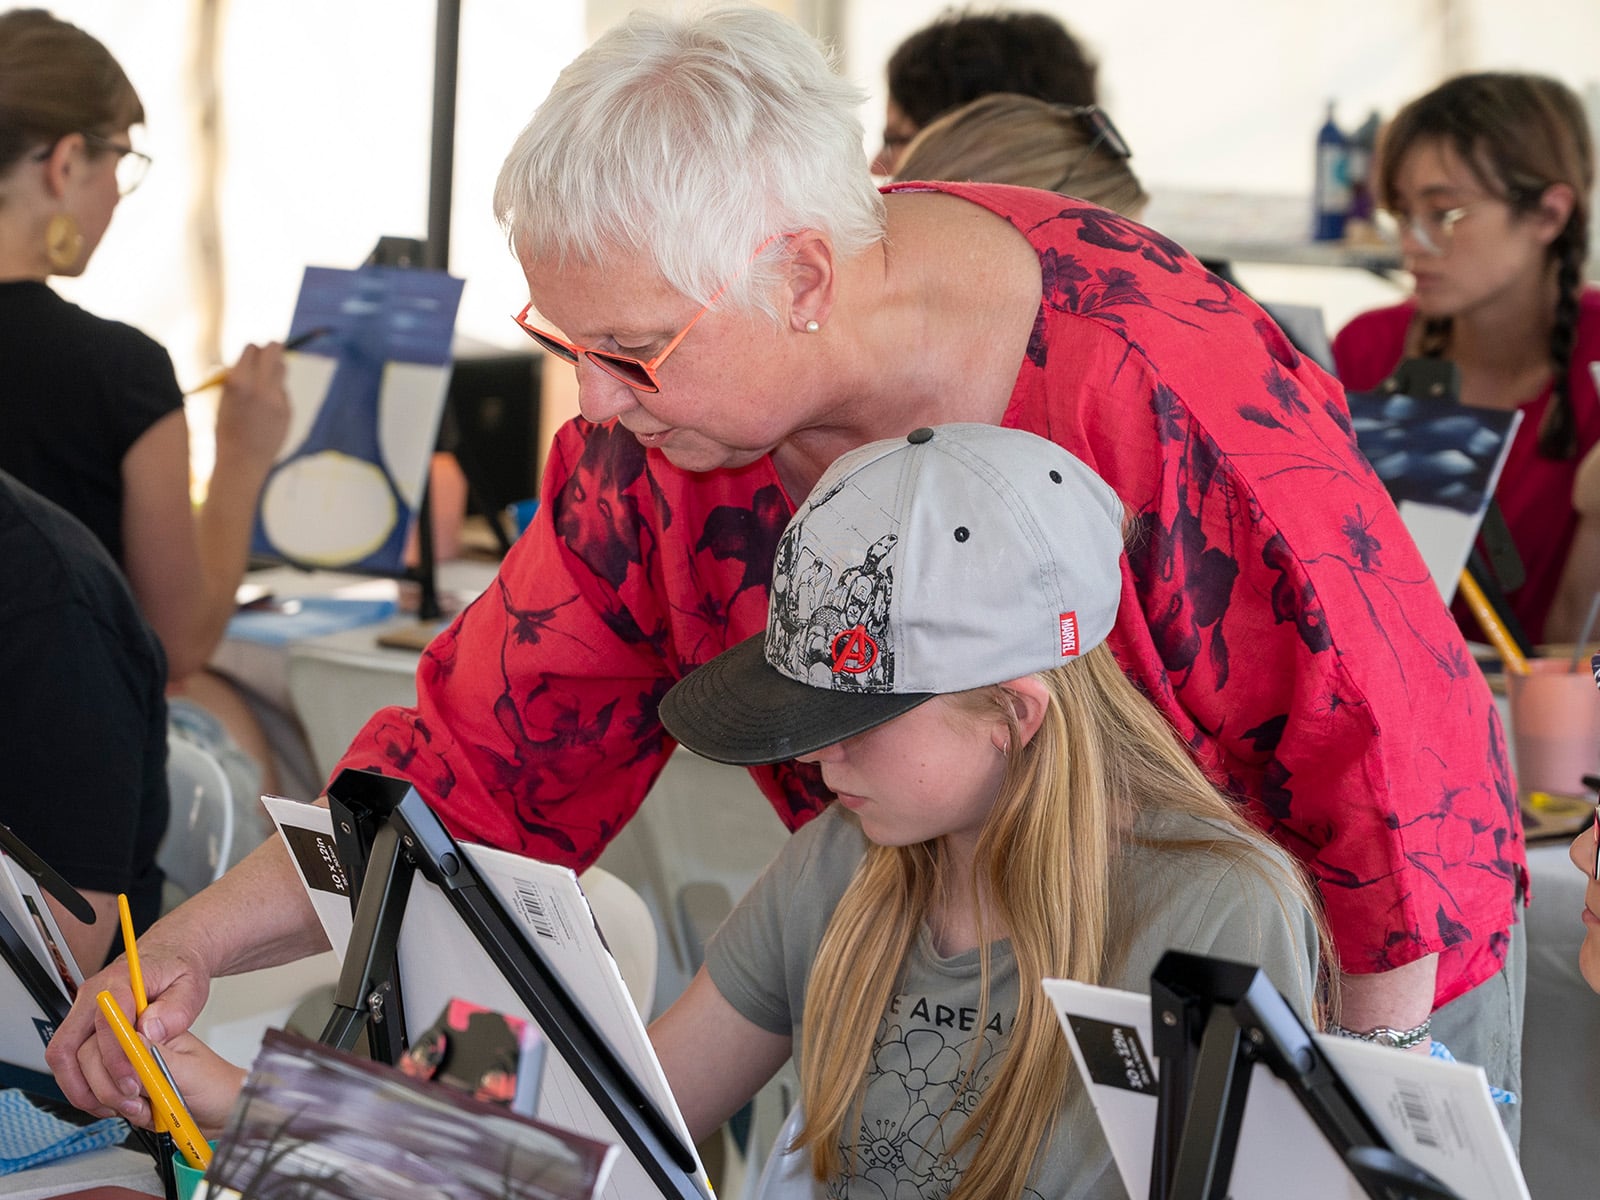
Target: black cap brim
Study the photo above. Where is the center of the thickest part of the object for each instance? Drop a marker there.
(738, 709)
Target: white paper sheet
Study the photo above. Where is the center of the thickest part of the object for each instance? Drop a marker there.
(24, 1028)
(1436, 1114)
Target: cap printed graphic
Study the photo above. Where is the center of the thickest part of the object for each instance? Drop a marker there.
(947, 560)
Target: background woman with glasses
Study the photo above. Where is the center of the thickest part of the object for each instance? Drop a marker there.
(1489, 177)
(91, 415)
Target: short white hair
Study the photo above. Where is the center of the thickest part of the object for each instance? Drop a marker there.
(692, 140)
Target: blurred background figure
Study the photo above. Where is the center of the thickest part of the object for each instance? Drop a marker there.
(1489, 176)
(964, 55)
(1007, 138)
(83, 672)
(91, 415)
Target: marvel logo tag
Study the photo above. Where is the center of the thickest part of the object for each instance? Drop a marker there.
(1069, 634)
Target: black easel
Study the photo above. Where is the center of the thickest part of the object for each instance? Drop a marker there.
(1212, 1022)
(385, 835)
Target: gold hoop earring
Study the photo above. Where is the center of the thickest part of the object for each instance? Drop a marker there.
(63, 241)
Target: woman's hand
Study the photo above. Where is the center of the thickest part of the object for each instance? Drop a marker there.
(89, 1066)
(253, 414)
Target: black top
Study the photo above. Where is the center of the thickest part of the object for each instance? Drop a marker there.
(76, 391)
(83, 714)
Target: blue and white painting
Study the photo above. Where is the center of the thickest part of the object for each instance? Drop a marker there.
(366, 395)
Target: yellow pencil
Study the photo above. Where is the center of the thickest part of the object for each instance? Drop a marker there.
(164, 1099)
(1493, 628)
(130, 947)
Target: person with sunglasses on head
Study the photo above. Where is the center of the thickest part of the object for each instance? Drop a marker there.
(1007, 138)
(702, 240)
(91, 415)
(964, 55)
(1489, 177)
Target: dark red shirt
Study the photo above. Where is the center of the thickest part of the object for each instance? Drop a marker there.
(1534, 493)
(1273, 607)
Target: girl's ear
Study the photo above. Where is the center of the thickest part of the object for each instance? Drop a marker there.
(1555, 208)
(1028, 698)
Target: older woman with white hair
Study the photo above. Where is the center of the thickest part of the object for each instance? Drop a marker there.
(702, 240)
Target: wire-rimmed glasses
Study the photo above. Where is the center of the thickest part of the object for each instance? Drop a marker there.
(132, 165)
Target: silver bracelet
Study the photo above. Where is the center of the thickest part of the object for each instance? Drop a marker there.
(1400, 1039)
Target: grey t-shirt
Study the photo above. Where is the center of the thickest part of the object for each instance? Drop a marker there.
(934, 1047)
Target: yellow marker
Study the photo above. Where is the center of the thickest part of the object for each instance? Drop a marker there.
(1493, 628)
(164, 1100)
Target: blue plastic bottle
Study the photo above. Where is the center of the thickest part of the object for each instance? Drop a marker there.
(1331, 194)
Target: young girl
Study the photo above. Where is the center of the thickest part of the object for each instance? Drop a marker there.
(1009, 809)
(1489, 176)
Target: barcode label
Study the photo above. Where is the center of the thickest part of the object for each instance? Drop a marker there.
(531, 901)
(1418, 1112)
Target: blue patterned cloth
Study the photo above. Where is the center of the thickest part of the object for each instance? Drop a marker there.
(1499, 1095)
(29, 1136)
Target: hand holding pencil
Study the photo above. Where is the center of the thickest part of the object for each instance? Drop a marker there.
(221, 377)
(197, 1087)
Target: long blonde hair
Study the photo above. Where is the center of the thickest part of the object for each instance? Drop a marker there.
(1066, 803)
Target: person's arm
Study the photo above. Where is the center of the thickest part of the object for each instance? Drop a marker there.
(714, 1059)
(535, 727)
(1399, 999)
(184, 565)
(1317, 672)
(257, 915)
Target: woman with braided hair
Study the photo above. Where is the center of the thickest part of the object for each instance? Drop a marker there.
(1489, 176)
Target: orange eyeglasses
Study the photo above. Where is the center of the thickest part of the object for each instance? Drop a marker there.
(635, 372)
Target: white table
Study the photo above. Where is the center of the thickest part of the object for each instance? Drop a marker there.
(321, 719)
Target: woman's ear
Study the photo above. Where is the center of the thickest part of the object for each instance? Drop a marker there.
(64, 158)
(1554, 210)
(812, 280)
(1028, 698)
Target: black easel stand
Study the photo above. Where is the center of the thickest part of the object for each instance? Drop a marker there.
(1212, 1022)
(385, 834)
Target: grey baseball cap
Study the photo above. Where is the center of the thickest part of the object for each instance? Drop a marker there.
(949, 559)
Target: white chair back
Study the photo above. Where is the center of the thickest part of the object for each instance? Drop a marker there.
(786, 1174)
(199, 839)
(629, 931)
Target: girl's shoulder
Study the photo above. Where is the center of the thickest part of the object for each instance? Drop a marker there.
(1370, 344)
(1196, 851)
